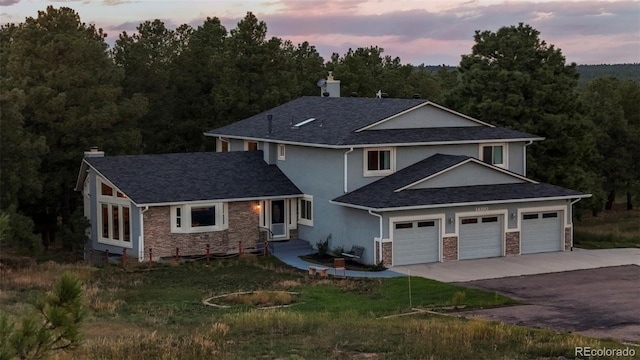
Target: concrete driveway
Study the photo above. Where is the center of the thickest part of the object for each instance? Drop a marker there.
(603, 302)
(469, 270)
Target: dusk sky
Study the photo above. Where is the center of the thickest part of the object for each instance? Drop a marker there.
(432, 32)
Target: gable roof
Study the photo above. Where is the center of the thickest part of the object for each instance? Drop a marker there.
(393, 192)
(190, 177)
(340, 122)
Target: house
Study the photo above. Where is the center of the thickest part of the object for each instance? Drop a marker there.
(407, 179)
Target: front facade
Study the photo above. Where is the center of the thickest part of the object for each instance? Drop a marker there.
(409, 180)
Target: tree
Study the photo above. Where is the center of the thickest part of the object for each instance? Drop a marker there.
(54, 326)
(514, 79)
(147, 59)
(613, 105)
(72, 99)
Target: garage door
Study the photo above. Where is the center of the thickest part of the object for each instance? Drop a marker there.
(480, 237)
(416, 242)
(541, 232)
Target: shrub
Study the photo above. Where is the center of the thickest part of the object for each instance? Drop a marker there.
(458, 298)
(323, 246)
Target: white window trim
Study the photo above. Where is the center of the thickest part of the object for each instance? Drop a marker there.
(281, 152)
(293, 214)
(365, 162)
(221, 141)
(505, 154)
(110, 201)
(246, 144)
(302, 221)
(221, 212)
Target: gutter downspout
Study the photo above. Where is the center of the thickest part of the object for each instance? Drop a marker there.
(141, 237)
(524, 157)
(374, 242)
(346, 168)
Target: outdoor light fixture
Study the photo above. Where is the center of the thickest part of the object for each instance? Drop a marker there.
(513, 216)
(450, 220)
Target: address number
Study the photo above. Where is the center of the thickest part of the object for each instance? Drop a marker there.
(485, 208)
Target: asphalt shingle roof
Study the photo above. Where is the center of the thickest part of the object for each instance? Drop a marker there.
(381, 194)
(336, 119)
(171, 178)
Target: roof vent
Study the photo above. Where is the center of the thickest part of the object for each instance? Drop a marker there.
(384, 95)
(354, 94)
(326, 94)
(270, 123)
(416, 96)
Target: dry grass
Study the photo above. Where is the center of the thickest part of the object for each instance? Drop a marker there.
(260, 298)
(41, 276)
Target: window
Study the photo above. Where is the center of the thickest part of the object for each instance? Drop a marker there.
(378, 162)
(199, 218)
(114, 221)
(490, 219)
(549, 215)
(469, 221)
(404, 225)
(494, 154)
(529, 216)
(250, 145)
(426, 224)
(224, 145)
(281, 152)
(305, 211)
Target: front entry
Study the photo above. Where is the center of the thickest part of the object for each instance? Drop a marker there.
(278, 216)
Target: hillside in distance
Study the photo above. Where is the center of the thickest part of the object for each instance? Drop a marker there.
(587, 72)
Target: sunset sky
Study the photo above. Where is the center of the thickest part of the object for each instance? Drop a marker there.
(432, 32)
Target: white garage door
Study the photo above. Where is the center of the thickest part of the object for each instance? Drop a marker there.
(541, 232)
(480, 237)
(416, 242)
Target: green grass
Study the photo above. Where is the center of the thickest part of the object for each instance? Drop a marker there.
(157, 313)
(610, 229)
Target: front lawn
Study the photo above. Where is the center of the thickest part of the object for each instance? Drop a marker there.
(157, 313)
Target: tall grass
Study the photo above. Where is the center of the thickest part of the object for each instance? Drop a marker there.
(41, 276)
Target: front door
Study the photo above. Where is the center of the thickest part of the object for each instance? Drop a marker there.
(278, 219)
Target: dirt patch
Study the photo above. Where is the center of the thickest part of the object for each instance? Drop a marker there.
(601, 302)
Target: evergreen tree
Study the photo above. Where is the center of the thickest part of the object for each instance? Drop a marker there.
(514, 79)
(72, 99)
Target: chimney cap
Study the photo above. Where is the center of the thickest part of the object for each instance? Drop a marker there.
(93, 152)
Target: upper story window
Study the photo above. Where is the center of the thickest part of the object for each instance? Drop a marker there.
(224, 145)
(250, 145)
(199, 217)
(281, 152)
(379, 161)
(494, 154)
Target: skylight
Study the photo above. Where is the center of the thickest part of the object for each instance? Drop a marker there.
(305, 122)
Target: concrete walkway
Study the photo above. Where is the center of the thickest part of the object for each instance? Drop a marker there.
(290, 251)
(470, 270)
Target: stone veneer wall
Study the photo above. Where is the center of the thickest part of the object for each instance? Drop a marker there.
(387, 255)
(513, 243)
(450, 248)
(568, 238)
(243, 226)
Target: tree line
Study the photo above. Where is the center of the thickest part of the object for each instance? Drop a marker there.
(62, 90)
